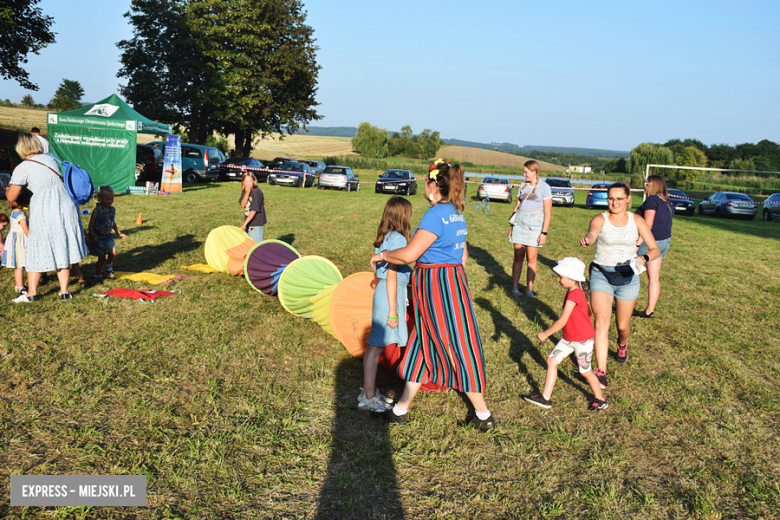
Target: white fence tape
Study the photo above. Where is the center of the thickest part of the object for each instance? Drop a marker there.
(577, 188)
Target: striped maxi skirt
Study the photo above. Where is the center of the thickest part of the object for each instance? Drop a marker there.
(444, 346)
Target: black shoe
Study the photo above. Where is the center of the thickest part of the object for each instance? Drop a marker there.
(66, 296)
(484, 426)
(645, 315)
(622, 352)
(598, 404)
(602, 377)
(539, 400)
(390, 417)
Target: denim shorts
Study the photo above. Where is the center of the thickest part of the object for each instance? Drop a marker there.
(527, 229)
(663, 245)
(255, 233)
(625, 293)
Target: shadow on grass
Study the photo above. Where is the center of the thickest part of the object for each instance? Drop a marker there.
(289, 238)
(145, 258)
(520, 346)
(361, 479)
(498, 277)
(756, 227)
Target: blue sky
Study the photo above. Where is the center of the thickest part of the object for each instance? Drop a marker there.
(587, 74)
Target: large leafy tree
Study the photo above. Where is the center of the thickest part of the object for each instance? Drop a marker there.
(242, 67)
(690, 156)
(648, 153)
(24, 29)
(68, 95)
(370, 141)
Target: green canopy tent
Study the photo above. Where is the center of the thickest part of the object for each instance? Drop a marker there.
(101, 138)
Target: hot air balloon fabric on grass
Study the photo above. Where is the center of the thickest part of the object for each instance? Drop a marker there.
(265, 262)
(218, 242)
(307, 286)
(302, 280)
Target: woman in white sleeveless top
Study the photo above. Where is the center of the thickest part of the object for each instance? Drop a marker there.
(612, 278)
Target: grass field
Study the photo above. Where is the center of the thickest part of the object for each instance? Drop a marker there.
(234, 408)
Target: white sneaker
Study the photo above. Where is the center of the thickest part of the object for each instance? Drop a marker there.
(25, 299)
(516, 292)
(529, 294)
(378, 403)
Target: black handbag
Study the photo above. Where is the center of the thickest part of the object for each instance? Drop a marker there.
(621, 276)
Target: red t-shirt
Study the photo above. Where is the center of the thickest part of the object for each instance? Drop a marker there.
(579, 327)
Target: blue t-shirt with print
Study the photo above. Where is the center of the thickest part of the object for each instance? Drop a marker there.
(444, 221)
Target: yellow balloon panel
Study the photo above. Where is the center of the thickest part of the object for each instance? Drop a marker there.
(220, 240)
(321, 309)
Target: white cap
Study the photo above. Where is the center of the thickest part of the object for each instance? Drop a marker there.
(571, 267)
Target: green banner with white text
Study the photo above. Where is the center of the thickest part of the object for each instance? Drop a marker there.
(108, 154)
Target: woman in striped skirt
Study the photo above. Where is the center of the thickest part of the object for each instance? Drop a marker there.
(444, 346)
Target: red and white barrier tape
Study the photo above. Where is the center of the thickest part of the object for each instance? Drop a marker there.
(577, 188)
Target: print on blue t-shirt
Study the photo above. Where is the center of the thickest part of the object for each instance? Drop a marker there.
(444, 221)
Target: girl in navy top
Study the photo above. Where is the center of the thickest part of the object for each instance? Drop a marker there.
(658, 212)
(444, 347)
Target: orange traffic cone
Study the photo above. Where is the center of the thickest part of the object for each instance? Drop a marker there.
(140, 219)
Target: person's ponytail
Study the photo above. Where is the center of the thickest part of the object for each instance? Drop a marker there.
(457, 186)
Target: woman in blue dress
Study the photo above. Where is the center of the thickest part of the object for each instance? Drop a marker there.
(56, 237)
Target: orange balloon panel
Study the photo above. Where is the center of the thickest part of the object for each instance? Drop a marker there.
(350, 311)
(236, 256)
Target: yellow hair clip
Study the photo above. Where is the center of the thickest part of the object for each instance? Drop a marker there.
(433, 173)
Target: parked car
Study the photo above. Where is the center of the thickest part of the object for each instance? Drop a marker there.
(772, 207)
(597, 196)
(316, 166)
(234, 168)
(495, 188)
(681, 202)
(278, 161)
(339, 178)
(728, 204)
(400, 182)
(562, 192)
(146, 165)
(198, 162)
(292, 174)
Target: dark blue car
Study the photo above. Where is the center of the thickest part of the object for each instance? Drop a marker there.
(398, 182)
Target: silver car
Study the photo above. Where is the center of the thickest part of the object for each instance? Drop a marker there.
(339, 178)
(772, 207)
(728, 204)
(495, 188)
(562, 192)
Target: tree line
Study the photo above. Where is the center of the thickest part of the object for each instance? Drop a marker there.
(371, 141)
(762, 156)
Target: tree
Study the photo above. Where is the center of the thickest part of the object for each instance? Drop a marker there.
(68, 95)
(741, 164)
(690, 156)
(648, 153)
(370, 141)
(243, 67)
(27, 100)
(24, 29)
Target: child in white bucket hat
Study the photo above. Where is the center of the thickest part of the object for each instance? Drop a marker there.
(578, 334)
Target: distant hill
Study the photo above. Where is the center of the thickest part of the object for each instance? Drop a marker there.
(350, 131)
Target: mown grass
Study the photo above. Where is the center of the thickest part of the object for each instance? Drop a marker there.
(234, 408)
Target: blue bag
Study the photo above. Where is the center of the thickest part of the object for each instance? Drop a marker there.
(78, 183)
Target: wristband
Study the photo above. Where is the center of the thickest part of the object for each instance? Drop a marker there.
(392, 317)
(646, 257)
(544, 233)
